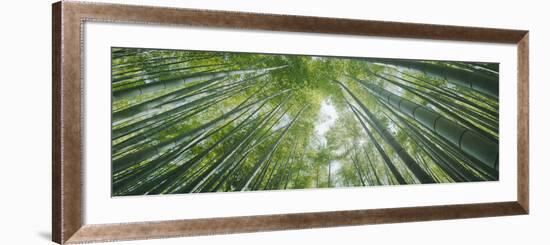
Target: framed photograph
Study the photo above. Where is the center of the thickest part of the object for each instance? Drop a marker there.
(179, 122)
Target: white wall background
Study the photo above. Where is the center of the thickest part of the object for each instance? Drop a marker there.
(25, 101)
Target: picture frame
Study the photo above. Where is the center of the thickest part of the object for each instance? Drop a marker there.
(68, 19)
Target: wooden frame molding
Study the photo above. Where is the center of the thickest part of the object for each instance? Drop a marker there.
(67, 21)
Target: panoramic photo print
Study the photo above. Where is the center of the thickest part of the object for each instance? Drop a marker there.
(201, 121)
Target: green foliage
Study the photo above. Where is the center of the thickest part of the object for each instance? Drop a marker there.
(197, 121)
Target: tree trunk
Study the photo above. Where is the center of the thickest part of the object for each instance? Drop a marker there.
(466, 140)
(380, 150)
(155, 86)
(268, 154)
(482, 83)
(442, 107)
(418, 172)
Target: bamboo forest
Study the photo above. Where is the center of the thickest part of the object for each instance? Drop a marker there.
(202, 121)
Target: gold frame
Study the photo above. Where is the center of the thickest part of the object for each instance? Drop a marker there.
(68, 19)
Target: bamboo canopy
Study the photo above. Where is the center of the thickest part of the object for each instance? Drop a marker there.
(200, 121)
